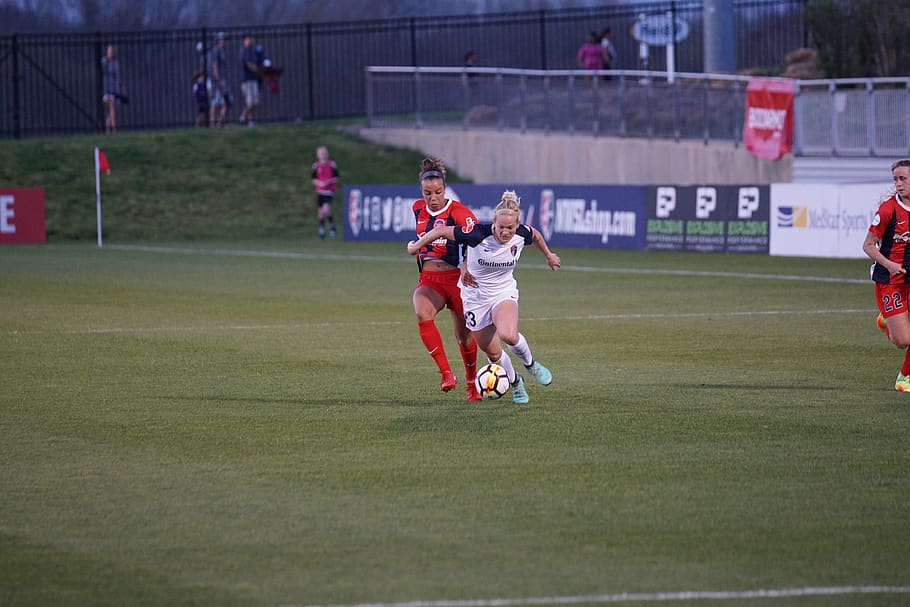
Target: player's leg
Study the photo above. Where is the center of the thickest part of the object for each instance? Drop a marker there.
(488, 339)
(467, 346)
(427, 303)
(505, 317)
(321, 214)
(893, 305)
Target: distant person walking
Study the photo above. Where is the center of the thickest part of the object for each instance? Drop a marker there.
(325, 181)
(590, 54)
(249, 85)
(218, 86)
(110, 80)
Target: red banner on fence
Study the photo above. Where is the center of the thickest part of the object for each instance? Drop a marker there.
(768, 128)
(22, 215)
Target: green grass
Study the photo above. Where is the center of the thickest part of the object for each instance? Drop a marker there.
(196, 184)
(214, 429)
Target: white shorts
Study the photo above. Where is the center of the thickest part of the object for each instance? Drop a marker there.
(478, 309)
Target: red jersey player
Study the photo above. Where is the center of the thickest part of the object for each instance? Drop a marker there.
(886, 245)
(437, 286)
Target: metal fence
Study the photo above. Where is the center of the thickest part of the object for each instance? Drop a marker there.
(849, 117)
(51, 83)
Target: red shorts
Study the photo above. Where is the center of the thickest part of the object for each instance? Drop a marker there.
(446, 284)
(892, 299)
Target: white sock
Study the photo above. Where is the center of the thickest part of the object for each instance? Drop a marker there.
(522, 350)
(506, 363)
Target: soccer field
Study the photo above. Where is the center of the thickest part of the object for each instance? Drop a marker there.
(259, 424)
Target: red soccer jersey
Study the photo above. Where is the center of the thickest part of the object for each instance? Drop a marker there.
(891, 225)
(328, 173)
(452, 214)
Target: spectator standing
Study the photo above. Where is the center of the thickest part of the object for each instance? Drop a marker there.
(608, 50)
(590, 54)
(201, 97)
(325, 181)
(110, 80)
(249, 85)
(217, 83)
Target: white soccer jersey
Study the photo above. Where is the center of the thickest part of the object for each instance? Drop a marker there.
(490, 261)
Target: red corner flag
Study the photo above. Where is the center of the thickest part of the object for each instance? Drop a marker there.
(103, 166)
(100, 165)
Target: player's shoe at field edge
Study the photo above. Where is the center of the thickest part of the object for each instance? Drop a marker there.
(519, 394)
(903, 383)
(448, 381)
(540, 373)
(881, 323)
(471, 388)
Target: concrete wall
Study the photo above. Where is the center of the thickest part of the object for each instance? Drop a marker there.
(511, 157)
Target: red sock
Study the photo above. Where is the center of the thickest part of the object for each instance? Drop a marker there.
(469, 356)
(432, 340)
(905, 368)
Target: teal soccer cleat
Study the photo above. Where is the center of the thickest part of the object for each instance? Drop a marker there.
(540, 373)
(519, 394)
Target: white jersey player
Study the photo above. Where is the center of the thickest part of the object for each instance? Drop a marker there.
(489, 290)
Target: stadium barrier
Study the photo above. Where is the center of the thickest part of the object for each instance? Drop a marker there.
(857, 117)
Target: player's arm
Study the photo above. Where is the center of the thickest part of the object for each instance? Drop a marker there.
(870, 248)
(447, 232)
(552, 258)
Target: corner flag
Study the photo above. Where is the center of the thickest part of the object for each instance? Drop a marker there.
(100, 165)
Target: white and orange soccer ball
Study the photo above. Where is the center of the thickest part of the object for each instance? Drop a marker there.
(492, 381)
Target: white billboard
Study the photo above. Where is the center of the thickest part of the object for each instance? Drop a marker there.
(821, 220)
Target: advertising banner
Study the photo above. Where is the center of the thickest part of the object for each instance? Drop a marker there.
(567, 215)
(718, 218)
(821, 220)
(22, 216)
(768, 126)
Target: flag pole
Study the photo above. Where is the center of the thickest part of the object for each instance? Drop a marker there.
(98, 196)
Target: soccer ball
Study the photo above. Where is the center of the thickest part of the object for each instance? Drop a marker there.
(492, 381)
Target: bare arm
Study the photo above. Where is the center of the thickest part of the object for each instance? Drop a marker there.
(447, 232)
(552, 258)
(870, 248)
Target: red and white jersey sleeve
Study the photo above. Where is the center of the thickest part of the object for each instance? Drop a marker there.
(452, 214)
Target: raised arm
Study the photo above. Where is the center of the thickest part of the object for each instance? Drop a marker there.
(552, 258)
(447, 232)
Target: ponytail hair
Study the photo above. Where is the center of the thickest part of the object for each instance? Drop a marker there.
(510, 204)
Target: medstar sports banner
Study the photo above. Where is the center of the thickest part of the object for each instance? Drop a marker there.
(719, 218)
(823, 220)
(567, 215)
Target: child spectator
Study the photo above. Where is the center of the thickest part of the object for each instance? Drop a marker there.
(201, 95)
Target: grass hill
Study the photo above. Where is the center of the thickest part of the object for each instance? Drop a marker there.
(195, 184)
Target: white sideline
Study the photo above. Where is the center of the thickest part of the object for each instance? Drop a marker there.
(642, 597)
(408, 259)
(378, 323)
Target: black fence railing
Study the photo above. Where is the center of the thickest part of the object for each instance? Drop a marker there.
(51, 83)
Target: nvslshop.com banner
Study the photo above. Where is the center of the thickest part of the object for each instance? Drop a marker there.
(567, 215)
(718, 218)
